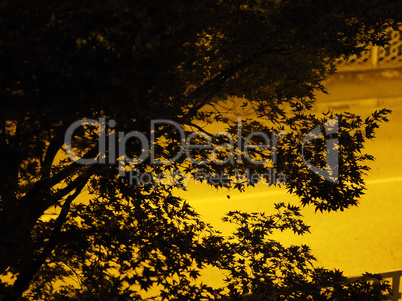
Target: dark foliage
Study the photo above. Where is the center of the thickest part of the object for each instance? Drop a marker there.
(137, 61)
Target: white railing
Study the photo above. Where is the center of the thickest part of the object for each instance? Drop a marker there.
(394, 279)
(376, 57)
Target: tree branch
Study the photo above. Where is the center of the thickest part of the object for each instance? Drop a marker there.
(26, 275)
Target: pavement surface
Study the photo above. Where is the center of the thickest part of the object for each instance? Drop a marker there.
(361, 239)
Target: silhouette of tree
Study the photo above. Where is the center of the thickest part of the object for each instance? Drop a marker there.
(138, 61)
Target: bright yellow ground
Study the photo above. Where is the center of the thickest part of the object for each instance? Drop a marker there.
(364, 238)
